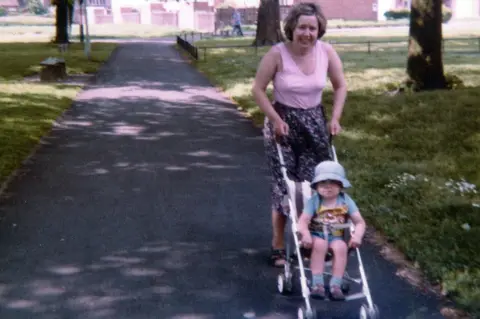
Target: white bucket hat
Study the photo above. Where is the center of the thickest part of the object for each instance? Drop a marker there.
(330, 170)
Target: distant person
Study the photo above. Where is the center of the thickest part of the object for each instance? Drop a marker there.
(299, 69)
(237, 22)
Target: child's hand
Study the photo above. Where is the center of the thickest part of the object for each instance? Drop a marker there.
(307, 240)
(354, 242)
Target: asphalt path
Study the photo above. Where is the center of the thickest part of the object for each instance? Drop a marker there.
(150, 200)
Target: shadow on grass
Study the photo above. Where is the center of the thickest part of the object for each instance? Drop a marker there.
(23, 59)
(25, 116)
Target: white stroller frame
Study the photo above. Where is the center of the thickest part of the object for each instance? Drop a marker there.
(284, 280)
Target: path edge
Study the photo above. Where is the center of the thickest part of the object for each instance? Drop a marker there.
(21, 169)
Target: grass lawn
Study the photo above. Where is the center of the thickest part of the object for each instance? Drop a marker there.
(43, 33)
(412, 158)
(27, 110)
(32, 28)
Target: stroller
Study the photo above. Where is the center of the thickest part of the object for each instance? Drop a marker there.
(297, 192)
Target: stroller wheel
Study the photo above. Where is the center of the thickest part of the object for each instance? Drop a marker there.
(284, 285)
(369, 313)
(304, 314)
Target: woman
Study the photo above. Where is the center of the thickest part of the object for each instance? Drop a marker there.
(299, 69)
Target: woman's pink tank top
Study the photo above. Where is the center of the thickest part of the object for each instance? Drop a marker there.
(295, 89)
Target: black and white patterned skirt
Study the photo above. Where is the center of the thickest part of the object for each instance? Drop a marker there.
(307, 144)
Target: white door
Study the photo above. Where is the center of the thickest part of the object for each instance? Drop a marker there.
(465, 9)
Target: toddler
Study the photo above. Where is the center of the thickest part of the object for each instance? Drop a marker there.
(329, 205)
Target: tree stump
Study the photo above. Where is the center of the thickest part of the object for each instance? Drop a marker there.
(53, 69)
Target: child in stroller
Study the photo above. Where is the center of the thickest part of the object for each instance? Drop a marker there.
(332, 226)
(328, 206)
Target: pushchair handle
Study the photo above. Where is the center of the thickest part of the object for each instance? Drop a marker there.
(334, 153)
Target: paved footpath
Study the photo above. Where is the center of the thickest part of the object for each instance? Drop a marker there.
(150, 200)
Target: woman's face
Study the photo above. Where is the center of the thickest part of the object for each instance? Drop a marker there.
(306, 31)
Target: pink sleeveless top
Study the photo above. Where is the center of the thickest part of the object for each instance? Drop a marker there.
(293, 88)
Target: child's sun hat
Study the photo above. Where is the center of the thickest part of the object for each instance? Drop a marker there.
(330, 170)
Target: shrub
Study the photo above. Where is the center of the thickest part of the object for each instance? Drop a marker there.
(3, 12)
(404, 13)
(446, 14)
(396, 14)
(36, 7)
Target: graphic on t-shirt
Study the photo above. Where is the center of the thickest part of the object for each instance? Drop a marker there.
(329, 215)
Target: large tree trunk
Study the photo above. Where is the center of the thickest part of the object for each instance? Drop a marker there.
(62, 22)
(268, 23)
(425, 65)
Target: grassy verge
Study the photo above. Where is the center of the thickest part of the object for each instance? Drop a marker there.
(413, 159)
(44, 33)
(27, 110)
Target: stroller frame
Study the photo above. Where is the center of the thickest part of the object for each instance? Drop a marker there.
(368, 310)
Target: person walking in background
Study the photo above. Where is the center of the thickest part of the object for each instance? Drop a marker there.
(237, 22)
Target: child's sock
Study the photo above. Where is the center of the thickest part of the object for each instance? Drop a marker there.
(317, 280)
(336, 281)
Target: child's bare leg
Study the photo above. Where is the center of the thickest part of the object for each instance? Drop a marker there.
(340, 249)
(319, 251)
(317, 265)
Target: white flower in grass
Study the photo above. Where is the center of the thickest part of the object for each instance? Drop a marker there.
(462, 186)
(404, 179)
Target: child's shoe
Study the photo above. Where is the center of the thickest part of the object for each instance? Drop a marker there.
(336, 293)
(318, 292)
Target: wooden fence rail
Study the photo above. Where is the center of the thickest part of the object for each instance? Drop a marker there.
(367, 44)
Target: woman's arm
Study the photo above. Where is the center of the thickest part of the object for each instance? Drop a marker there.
(265, 73)
(337, 77)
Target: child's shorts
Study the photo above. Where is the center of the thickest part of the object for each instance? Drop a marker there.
(330, 237)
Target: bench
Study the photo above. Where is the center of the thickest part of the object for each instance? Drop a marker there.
(53, 69)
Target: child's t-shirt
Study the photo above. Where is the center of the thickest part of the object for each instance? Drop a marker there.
(332, 215)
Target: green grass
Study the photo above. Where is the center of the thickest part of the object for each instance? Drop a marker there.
(43, 33)
(26, 20)
(22, 59)
(27, 110)
(402, 153)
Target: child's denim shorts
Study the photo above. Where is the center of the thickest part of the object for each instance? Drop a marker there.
(331, 238)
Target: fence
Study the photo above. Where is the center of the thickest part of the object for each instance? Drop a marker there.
(187, 46)
(461, 45)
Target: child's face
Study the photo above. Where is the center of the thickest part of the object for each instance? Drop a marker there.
(329, 189)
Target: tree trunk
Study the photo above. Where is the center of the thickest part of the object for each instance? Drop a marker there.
(62, 22)
(424, 64)
(82, 32)
(70, 11)
(268, 23)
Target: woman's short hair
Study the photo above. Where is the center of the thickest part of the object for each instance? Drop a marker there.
(307, 9)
